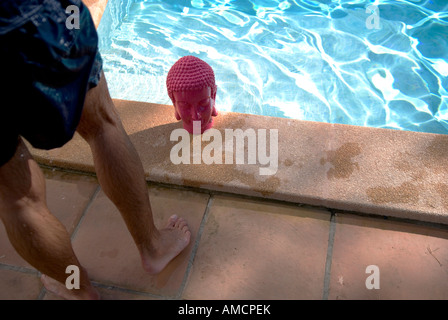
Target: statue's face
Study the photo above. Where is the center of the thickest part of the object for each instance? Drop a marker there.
(195, 105)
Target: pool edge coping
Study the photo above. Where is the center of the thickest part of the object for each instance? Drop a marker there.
(383, 172)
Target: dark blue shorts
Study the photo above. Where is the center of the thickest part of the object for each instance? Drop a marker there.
(47, 67)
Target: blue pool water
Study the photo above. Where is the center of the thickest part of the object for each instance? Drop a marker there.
(330, 61)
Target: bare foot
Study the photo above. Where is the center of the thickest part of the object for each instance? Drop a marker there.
(61, 290)
(174, 238)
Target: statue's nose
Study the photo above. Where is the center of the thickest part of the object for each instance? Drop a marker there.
(196, 115)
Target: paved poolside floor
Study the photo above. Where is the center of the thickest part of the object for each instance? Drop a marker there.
(252, 248)
(241, 248)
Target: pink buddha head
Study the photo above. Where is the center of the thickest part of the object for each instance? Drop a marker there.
(192, 89)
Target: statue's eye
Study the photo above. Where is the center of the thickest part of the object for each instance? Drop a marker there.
(204, 105)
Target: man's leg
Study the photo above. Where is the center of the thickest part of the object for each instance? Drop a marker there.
(33, 231)
(121, 175)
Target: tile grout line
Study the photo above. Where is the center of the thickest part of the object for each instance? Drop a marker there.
(89, 204)
(4, 266)
(25, 270)
(332, 231)
(115, 288)
(195, 247)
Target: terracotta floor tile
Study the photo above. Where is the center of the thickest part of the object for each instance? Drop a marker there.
(17, 285)
(67, 196)
(105, 247)
(251, 250)
(412, 259)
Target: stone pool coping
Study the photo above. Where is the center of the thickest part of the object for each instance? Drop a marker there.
(384, 172)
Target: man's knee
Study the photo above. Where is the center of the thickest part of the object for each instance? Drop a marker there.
(22, 182)
(98, 112)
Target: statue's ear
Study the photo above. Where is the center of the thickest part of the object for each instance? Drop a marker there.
(214, 93)
(214, 111)
(176, 114)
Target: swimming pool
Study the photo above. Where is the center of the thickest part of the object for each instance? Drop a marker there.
(378, 64)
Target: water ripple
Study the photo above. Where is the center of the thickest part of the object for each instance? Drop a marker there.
(311, 60)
